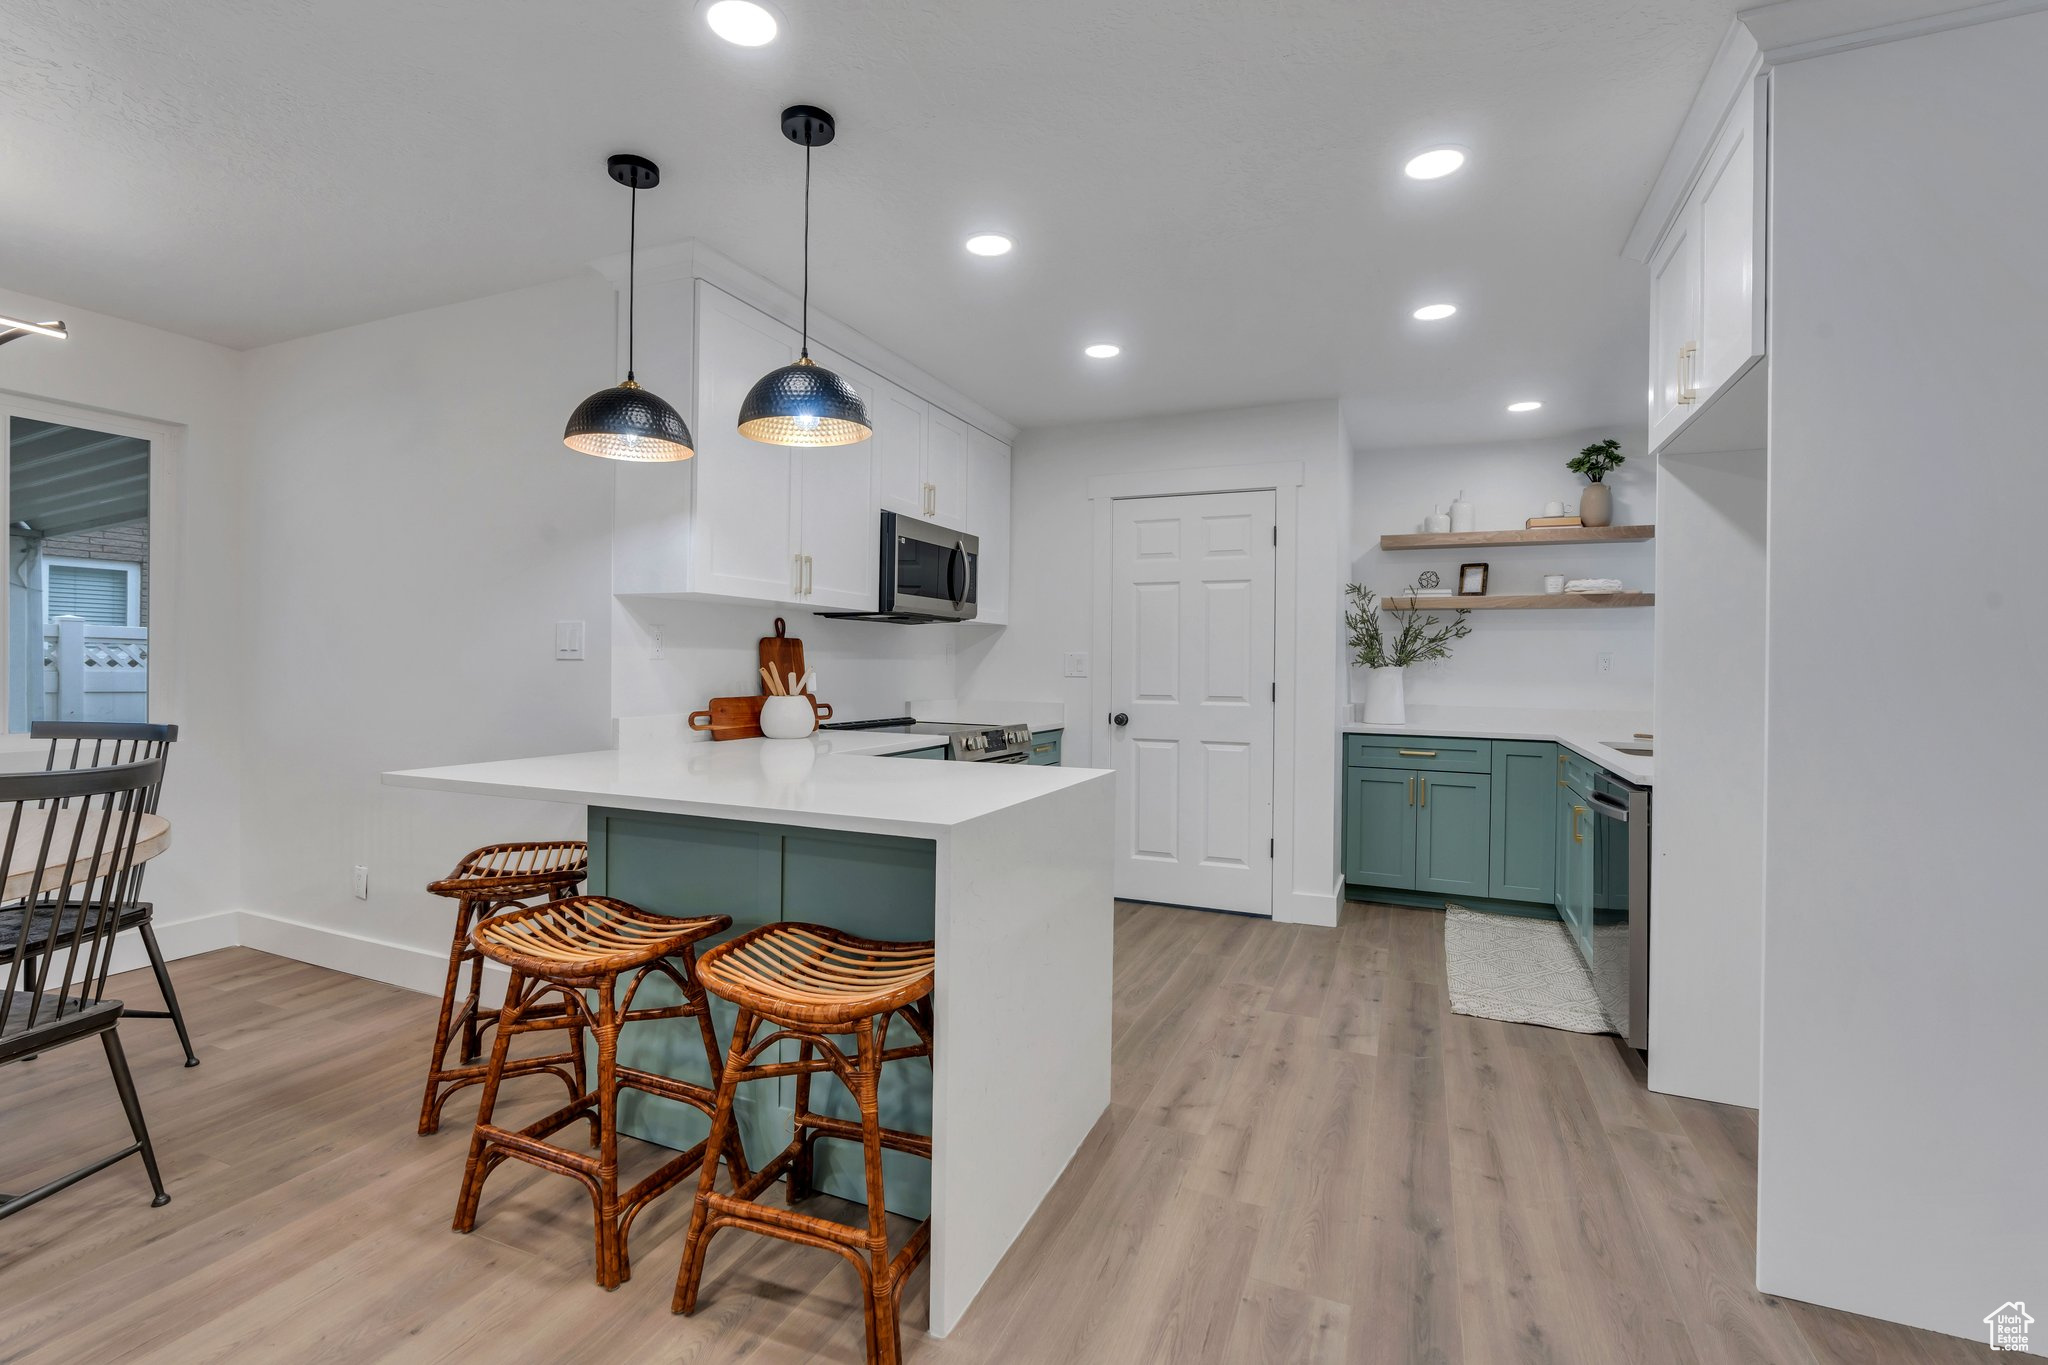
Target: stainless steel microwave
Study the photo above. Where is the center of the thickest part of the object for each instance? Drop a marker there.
(929, 573)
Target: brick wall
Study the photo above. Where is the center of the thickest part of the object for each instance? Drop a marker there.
(126, 542)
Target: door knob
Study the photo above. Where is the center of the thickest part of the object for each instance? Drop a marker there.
(1120, 719)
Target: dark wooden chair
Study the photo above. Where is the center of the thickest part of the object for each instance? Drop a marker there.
(74, 838)
(95, 744)
(810, 984)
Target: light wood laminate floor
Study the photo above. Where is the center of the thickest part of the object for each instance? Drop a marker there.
(1309, 1158)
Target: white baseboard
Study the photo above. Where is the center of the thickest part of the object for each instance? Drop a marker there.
(1311, 907)
(185, 938)
(397, 964)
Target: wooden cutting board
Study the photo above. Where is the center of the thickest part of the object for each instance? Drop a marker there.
(730, 718)
(782, 653)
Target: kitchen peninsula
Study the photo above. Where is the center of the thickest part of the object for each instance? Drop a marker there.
(1006, 868)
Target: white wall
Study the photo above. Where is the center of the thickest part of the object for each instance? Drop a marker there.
(1905, 1020)
(1706, 954)
(1052, 595)
(1543, 659)
(197, 628)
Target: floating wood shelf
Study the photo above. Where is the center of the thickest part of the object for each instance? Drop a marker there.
(1541, 601)
(1542, 535)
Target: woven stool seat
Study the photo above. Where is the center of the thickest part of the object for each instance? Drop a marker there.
(809, 974)
(488, 880)
(586, 937)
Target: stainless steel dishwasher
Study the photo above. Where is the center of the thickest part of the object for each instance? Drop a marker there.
(1618, 953)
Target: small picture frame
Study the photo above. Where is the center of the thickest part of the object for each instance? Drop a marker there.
(1471, 580)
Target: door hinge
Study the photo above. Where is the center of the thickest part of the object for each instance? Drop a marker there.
(1275, 693)
(1276, 535)
(1269, 848)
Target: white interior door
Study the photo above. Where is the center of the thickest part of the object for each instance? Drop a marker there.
(1192, 675)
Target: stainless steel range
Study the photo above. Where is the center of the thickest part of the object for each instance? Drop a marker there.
(964, 743)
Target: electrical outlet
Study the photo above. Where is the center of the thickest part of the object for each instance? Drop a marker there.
(359, 882)
(1077, 665)
(568, 640)
(660, 649)
(1606, 662)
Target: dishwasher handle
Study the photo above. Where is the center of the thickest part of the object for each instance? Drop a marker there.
(1609, 807)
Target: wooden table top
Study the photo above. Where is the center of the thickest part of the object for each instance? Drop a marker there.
(22, 872)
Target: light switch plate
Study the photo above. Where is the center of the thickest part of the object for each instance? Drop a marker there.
(568, 640)
(1077, 665)
(359, 882)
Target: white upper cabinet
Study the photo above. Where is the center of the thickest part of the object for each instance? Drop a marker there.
(744, 540)
(794, 526)
(988, 516)
(1707, 287)
(945, 468)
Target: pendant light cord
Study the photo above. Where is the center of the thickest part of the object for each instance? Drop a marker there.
(806, 350)
(632, 285)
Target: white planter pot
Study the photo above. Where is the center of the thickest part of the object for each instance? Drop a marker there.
(1386, 698)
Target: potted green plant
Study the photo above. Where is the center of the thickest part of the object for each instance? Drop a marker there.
(1596, 461)
(1420, 638)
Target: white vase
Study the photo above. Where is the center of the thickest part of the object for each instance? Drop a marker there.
(788, 717)
(1386, 700)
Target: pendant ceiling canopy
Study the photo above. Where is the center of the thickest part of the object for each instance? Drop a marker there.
(805, 404)
(626, 422)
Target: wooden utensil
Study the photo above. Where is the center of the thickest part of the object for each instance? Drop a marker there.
(774, 686)
(730, 718)
(781, 653)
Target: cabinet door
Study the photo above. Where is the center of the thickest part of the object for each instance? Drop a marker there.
(988, 516)
(1379, 827)
(945, 468)
(1454, 817)
(1674, 326)
(1730, 232)
(1524, 821)
(840, 532)
(898, 449)
(744, 532)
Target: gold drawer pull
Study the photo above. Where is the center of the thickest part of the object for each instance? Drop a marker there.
(1416, 753)
(1425, 793)
(1041, 749)
(1411, 791)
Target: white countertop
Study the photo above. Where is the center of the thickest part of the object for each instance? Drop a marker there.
(1583, 732)
(833, 780)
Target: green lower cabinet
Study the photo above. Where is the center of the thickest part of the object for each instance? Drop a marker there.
(870, 885)
(1045, 747)
(1525, 791)
(1452, 824)
(1379, 827)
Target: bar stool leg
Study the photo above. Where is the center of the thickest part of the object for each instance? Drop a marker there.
(472, 1031)
(612, 1270)
(479, 1166)
(724, 1127)
(884, 1347)
(430, 1119)
(802, 1167)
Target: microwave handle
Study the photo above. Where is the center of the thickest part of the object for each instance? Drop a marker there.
(958, 557)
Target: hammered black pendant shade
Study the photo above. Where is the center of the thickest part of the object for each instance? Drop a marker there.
(805, 404)
(626, 422)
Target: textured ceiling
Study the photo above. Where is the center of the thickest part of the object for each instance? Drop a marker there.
(1212, 183)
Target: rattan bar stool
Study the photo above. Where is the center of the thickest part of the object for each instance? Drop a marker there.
(494, 878)
(811, 983)
(571, 947)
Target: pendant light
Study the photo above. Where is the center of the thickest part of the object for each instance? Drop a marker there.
(627, 422)
(805, 404)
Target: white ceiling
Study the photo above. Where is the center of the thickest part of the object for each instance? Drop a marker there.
(1215, 184)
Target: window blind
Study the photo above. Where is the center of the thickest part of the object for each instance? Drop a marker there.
(99, 595)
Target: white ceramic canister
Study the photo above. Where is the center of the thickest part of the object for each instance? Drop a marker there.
(1461, 514)
(788, 717)
(1553, 583)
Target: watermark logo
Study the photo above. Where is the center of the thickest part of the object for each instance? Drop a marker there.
(2008, 1324)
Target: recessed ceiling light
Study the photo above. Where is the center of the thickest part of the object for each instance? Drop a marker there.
(1435, 163)
(741, 22)
(1435, 312)
(1526, 405)
(1102, 350)
(989, 244)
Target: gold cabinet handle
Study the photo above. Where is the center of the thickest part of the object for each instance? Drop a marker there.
(1411, 791)
(1041, 748)
(1425, 793)
(1577, 837)
(1416, 753)
(1686, 358)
